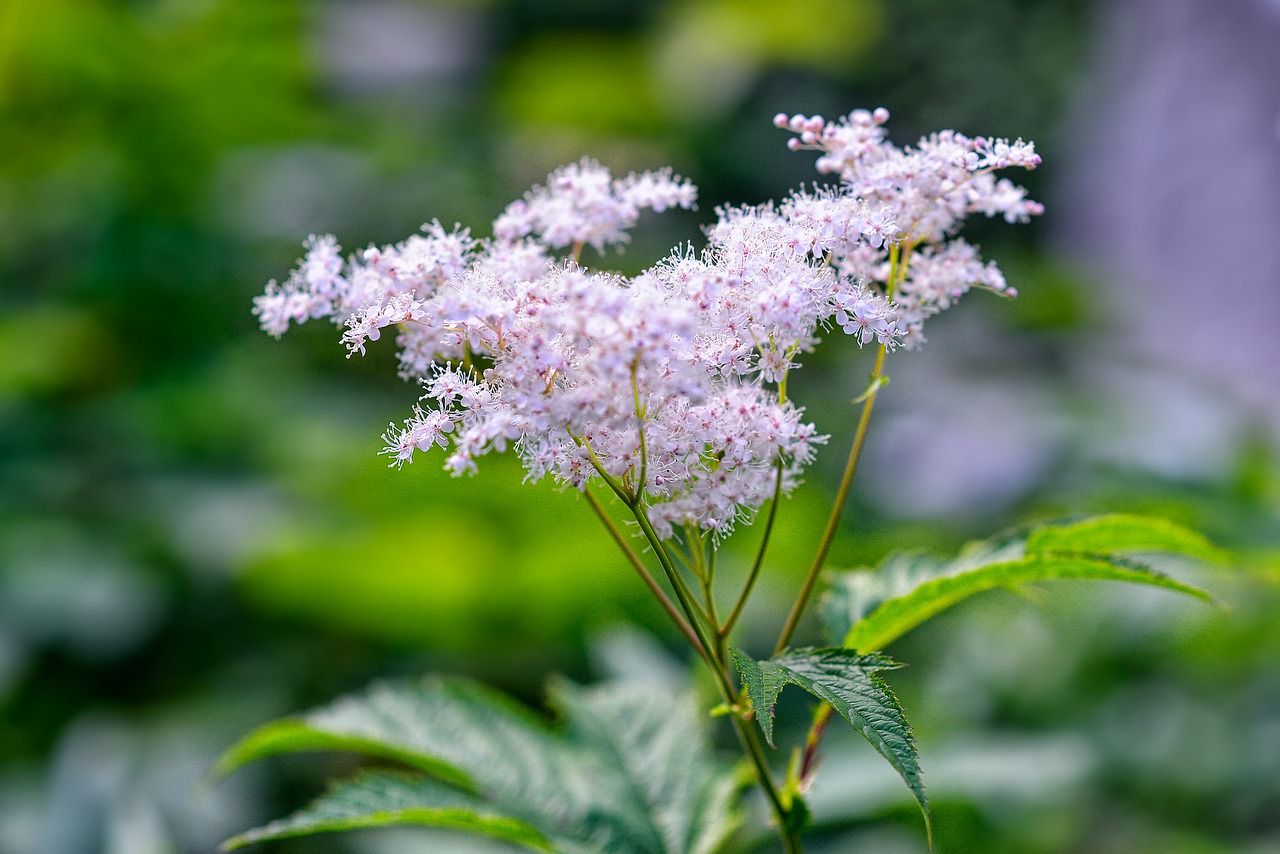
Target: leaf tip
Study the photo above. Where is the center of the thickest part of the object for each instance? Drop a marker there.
(928, 823)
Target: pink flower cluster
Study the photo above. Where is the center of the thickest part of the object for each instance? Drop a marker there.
(583, 204)
(926, 192)
(668, 385)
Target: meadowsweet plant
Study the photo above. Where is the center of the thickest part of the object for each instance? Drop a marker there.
(663, 400)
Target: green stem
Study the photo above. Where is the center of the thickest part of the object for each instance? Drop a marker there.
(899, 259)
(715, 660)
(693, 563)
(705, 570)
(685, 554)
(640, 568)
(640, 416)
(750, 742)
(712, 552)
(627, 496)
(683, 595)
(759, 562)
(837, 509)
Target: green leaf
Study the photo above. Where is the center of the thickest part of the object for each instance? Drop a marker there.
(853, 595)
(630, 771)
(295, 735)
(895, 617)
(657, 744)
(869, 609)
(377, 800)
(452, 729)
(763, 681)
(1124, 534)
(847, 681)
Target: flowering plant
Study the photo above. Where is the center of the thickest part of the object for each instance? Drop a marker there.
(663, 400)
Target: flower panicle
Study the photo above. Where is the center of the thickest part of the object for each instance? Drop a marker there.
(669, 384)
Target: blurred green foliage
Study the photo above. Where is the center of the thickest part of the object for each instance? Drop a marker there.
(196, 534)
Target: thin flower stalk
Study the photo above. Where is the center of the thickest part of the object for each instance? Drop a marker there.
(642, 570)
(842, 495)
(758, 563)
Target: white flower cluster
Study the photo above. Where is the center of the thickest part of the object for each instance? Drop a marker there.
(669, 385)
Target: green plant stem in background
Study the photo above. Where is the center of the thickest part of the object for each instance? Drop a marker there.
(685, 597)
(755, 750)
(705, 569)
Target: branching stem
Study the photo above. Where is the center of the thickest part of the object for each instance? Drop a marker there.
(759, 562)
(715, 659)
(640, 568)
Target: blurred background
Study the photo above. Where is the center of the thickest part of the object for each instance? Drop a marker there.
(196, 534)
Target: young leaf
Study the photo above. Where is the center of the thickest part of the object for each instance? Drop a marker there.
(847, 681)
(630, 772)
(377, 800)
(851, 596)
(763, 681)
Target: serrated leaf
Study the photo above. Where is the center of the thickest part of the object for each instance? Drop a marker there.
(868, 609)
(1124, 534)
(847, 681)
(895, 617)
(763, 681)
(659, 742)
(378, 800)
(600, 783)
(450, 728)
(853, 595)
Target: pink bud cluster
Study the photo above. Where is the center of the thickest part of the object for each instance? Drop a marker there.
(666, 385)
